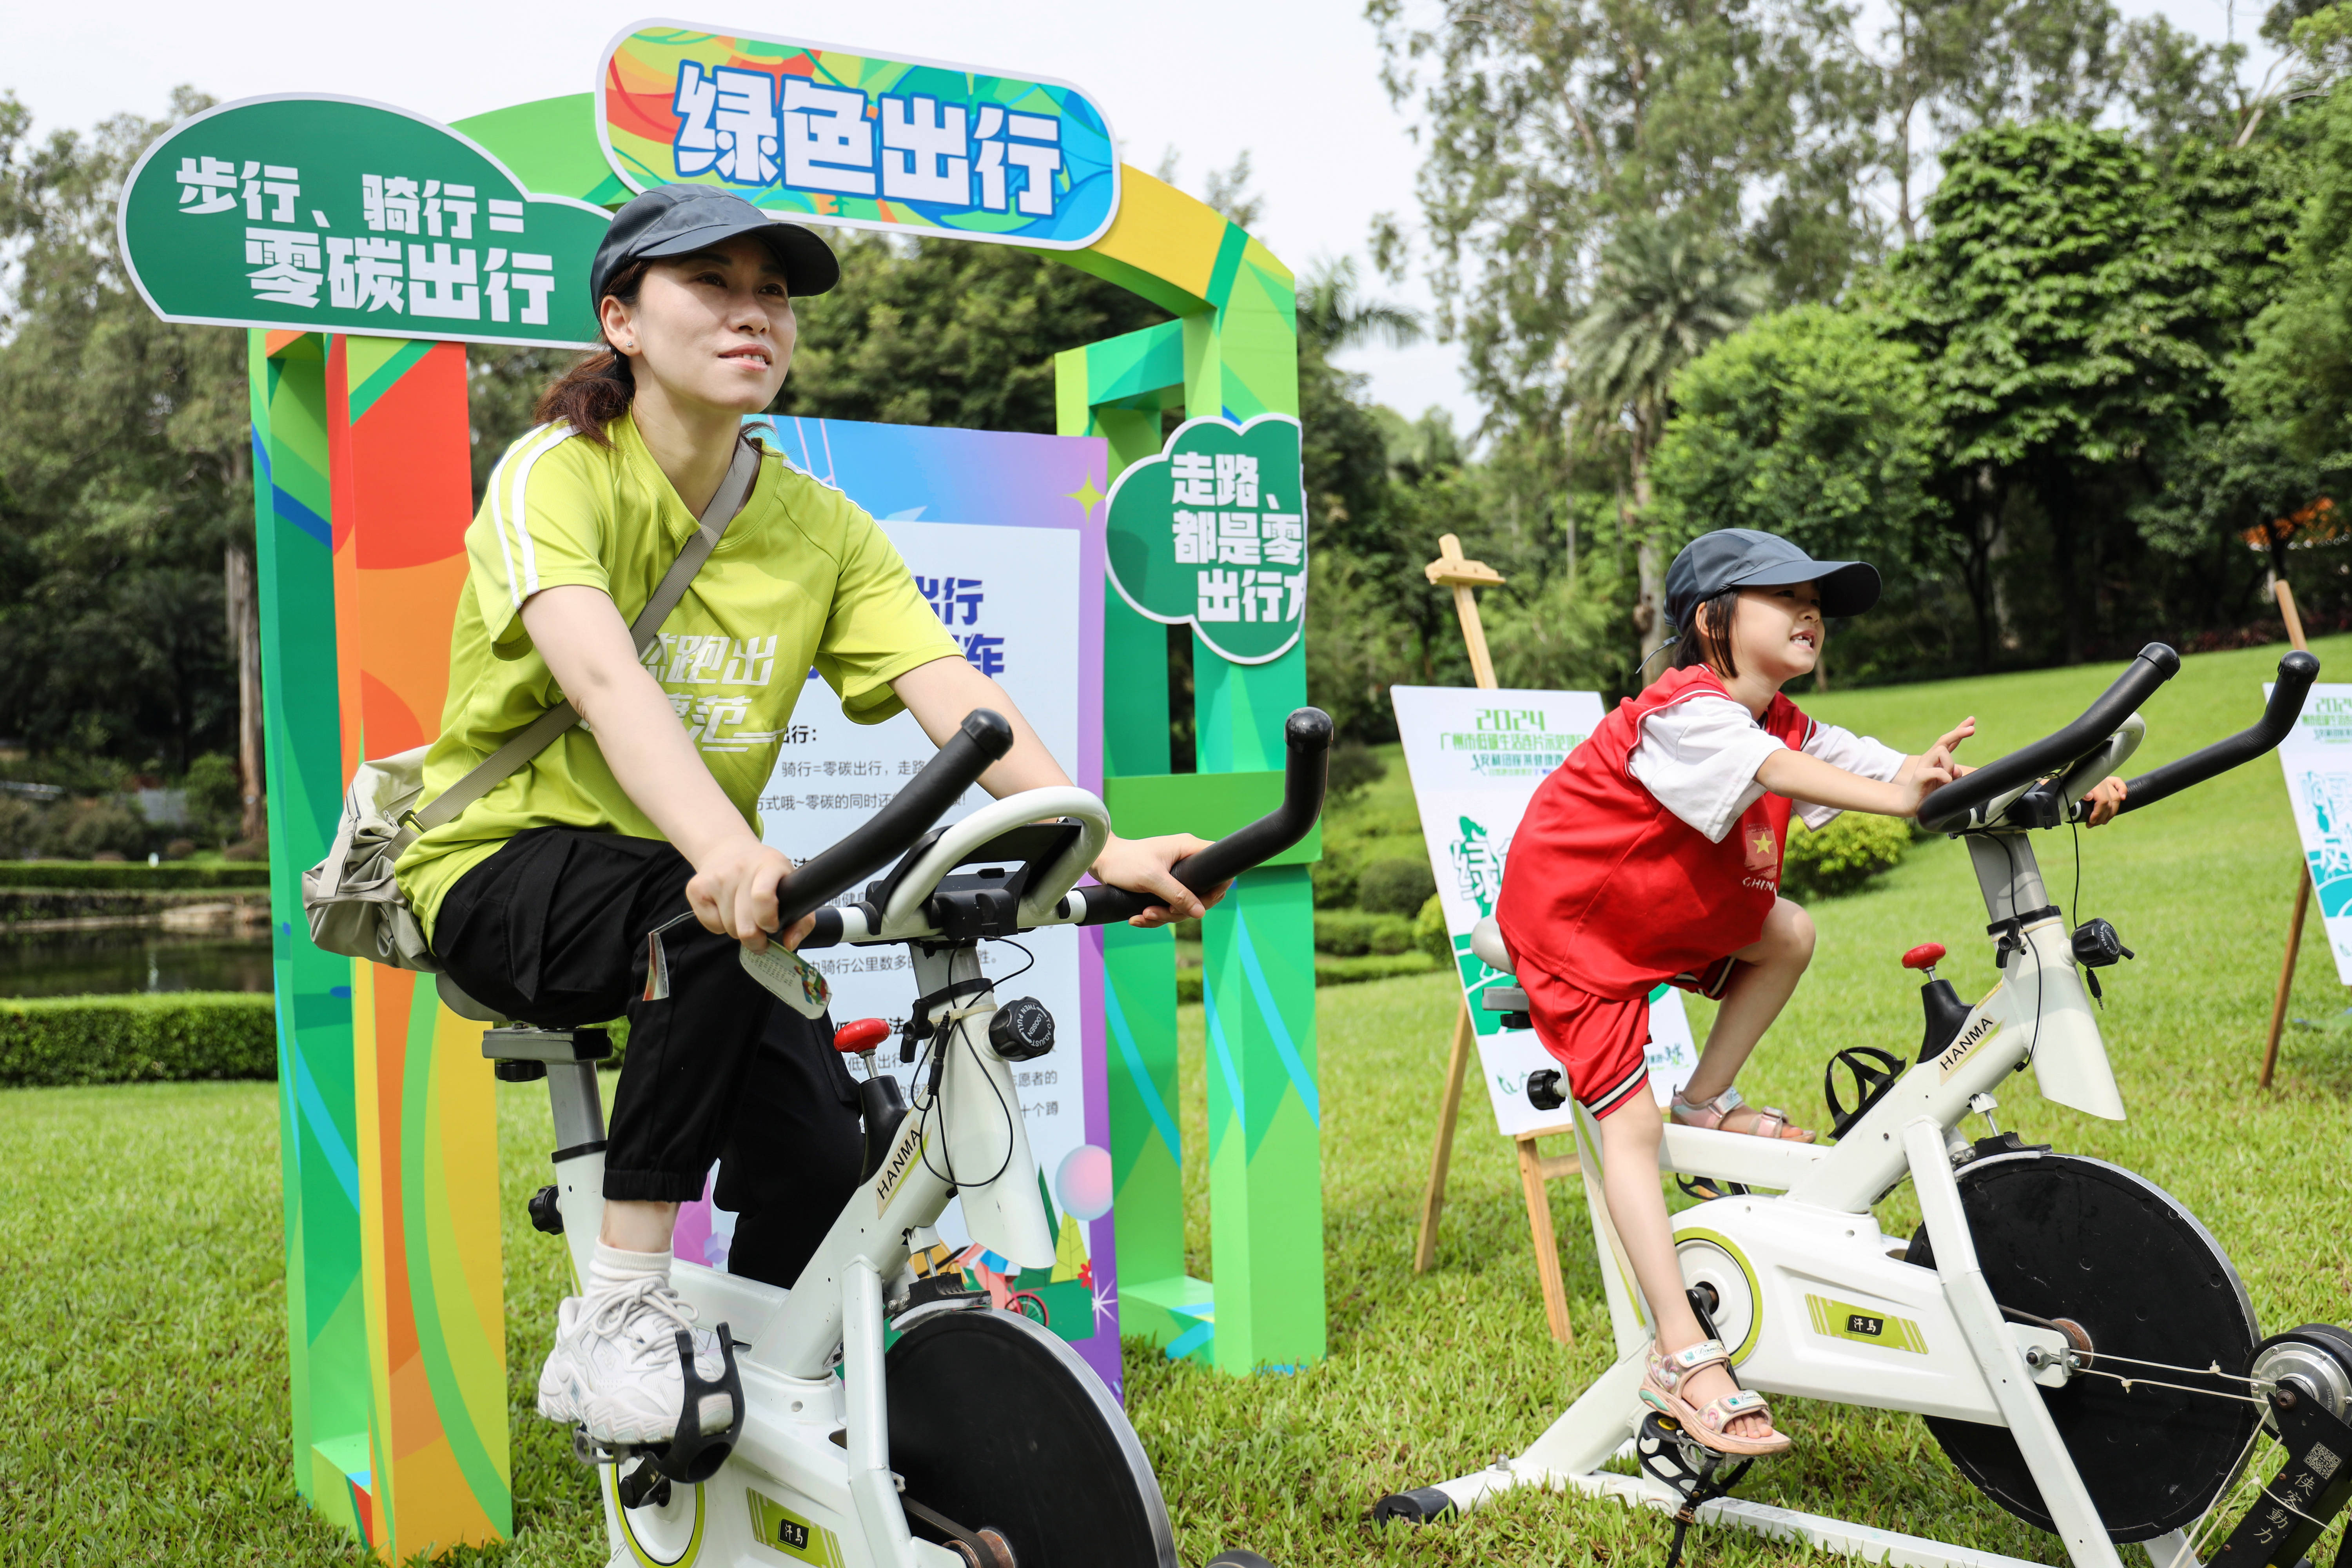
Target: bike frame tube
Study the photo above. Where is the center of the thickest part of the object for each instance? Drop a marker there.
(2037, 1011)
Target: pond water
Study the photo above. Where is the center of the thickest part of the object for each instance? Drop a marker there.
(130, 958)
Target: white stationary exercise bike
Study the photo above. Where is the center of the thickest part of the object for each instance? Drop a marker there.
(2080, 1346)
(977, 1439)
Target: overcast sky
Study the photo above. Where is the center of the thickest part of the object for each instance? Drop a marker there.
(1295, 82)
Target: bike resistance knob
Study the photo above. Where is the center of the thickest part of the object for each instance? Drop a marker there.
(1926, 956)
(545, 1216)
(1022, 1029)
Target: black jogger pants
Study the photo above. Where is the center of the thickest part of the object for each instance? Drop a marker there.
(552, 930)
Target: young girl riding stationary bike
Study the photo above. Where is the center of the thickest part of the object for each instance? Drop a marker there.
(620, 867)
(1653, 855)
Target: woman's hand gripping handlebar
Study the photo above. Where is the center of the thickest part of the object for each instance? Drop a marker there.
(982, 739)
(1307, 738)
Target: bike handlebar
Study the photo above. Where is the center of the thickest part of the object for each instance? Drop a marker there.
(1946, 806)
(1307, 740)
(982, 737)
(2296, 671)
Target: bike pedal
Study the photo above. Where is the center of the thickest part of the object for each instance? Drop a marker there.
(643, 1485)
(590, 1452)
(1707, 1189)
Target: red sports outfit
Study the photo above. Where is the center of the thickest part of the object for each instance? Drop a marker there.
(1606, 893)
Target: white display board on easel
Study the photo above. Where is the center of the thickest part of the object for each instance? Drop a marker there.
(2317, 757)
(1476, 757)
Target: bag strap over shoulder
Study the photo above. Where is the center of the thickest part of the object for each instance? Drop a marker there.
(735, 490)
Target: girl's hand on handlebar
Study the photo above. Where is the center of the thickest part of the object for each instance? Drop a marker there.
(2105, 799)
(1141, 866)
(733, 893)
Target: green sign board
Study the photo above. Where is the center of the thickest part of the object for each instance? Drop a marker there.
(332, 214)
(1212, 532)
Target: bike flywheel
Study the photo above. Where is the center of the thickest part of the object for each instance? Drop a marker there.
(997, 1424)
(2062, 1237)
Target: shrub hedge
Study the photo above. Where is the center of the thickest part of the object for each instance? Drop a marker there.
(130, 876)
(18, 905)
(136, 1038)
(1843, 856)
(1397, 886)
(1329, 971)
(1351, 933)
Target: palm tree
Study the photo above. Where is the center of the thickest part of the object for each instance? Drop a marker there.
(1334, 314)
(1661, 297)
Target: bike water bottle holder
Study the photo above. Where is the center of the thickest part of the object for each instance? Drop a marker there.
(1876, 1074)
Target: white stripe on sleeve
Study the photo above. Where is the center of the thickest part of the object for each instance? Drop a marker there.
(523, 460)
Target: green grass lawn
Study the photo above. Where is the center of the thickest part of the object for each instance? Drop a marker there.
(146, 1413)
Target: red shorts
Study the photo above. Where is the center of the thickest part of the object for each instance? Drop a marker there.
(1599, 1039)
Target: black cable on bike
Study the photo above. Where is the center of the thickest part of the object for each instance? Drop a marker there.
(949, 1176)
(1008, 942)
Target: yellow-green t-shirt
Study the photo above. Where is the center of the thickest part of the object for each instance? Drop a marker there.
(801, 578)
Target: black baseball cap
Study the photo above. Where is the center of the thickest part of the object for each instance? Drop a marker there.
(671, 220)
(1749, 558)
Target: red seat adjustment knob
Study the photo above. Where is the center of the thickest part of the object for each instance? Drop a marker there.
(865, 1034)
(1926, 956)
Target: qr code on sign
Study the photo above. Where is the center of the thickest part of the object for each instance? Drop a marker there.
(2322, 1459)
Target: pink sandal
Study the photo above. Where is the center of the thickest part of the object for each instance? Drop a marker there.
(1661, 1391)
(1771, 1122)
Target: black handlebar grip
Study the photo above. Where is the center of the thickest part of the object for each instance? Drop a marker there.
(1307, 740)
(2296, 671)
(1948, 807)
(983, 738)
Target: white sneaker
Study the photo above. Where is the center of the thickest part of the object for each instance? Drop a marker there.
(614, 1367)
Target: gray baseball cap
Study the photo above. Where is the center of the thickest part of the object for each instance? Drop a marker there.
(671, 220)
(1749, 558)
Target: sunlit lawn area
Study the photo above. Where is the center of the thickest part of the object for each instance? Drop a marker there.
(145, 1415)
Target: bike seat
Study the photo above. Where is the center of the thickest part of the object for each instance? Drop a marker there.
(1487, 942)
(453, 997)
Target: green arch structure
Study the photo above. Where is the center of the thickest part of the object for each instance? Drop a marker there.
(1230, 352)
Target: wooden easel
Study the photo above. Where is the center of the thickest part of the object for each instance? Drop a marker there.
(2302, 878)
(1535, 1168)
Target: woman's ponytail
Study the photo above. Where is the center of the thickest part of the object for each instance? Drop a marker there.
(598, 387)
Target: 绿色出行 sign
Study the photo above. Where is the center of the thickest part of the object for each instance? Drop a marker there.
(332, 215)
(1476, 757)
(1212, 532)
(837, 137)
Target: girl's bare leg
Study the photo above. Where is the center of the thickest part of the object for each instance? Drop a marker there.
(1637, 1206)
(1770, 968)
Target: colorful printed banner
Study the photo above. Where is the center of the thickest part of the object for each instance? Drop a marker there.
(848, 138)
(332, 215)
(1476, 757)
(1202, 534)
(1003, 536)
(2317, 757)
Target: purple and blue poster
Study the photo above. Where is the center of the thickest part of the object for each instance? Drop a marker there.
(1003, 533)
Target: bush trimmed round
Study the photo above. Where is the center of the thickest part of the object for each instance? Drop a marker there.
(1395, 886)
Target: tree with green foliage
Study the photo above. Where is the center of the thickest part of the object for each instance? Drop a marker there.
(2298, 373)
(1550, 122)
(948, 332)
(1814, 425)
(2058, 311)
(1663, 295)
(126, 503)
